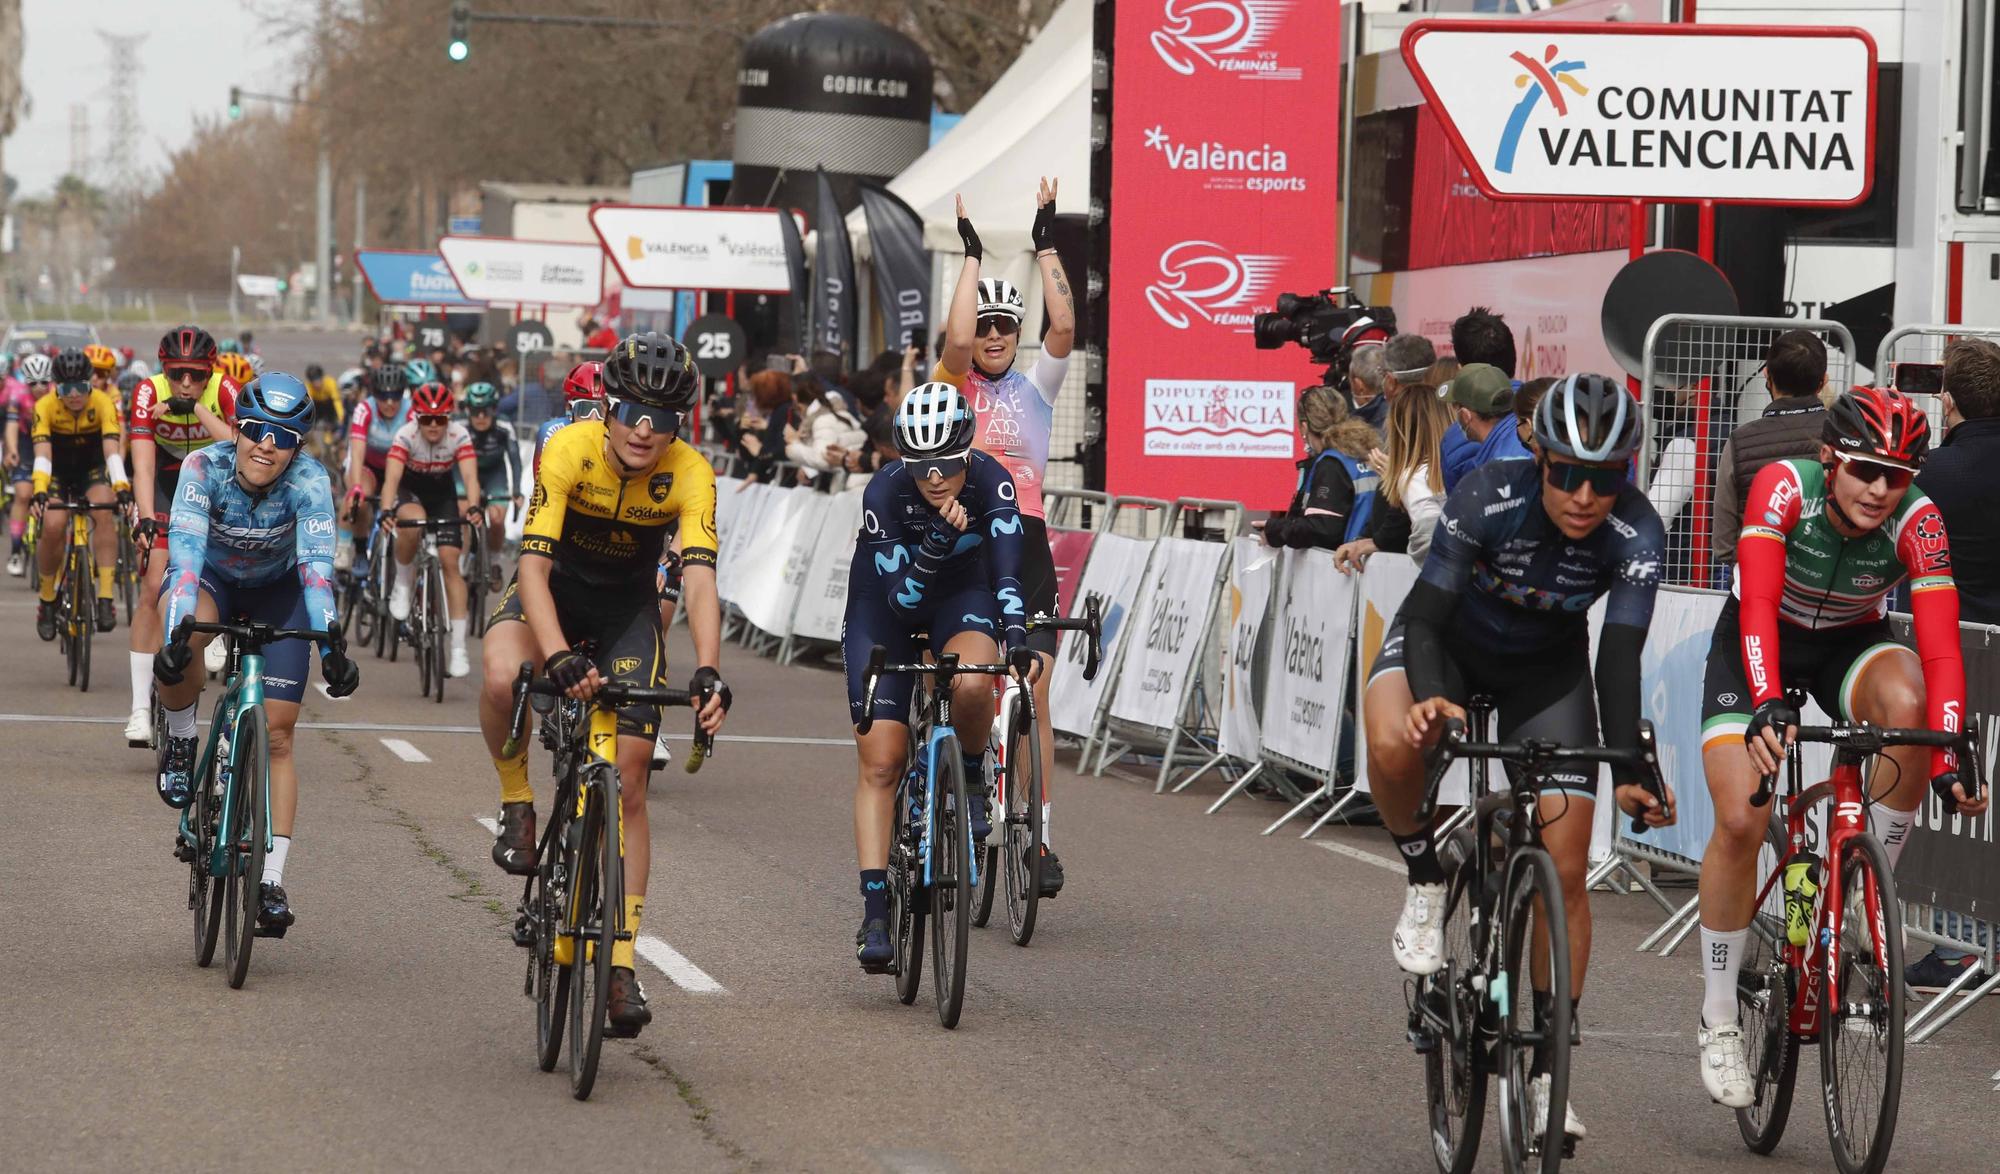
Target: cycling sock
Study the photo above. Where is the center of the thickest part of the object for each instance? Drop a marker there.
(142, 679)
(1892, 827)
(406, 574)
(274, 860)
(48, 591)
(1420, 857)
(1721, 954)
(458, 629)
(514, 785)
(874, 894)
(975, 774)
(180, 722)
(621, 950)
(16, 530)
(1045, 827)
(106, 581)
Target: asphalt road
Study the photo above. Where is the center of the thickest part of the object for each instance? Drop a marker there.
(1200, 998)
(287, 348)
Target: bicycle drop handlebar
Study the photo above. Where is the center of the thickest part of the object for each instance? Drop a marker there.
(252, 635)
(1535, 753)
(1862, 738)
(1091, 623)
(947, 666)
(610, 694)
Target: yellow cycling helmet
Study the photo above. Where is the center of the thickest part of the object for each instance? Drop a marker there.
(236, 368)
(102, 358)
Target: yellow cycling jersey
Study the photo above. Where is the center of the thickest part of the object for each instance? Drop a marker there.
(76, 437)
(608, 531)
(326, 397)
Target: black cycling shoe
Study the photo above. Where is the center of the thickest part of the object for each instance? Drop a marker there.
(274, 915)
(626, 1011)
(872, 947)
(514, 847)
(977, 807)
(1052, 874)
(107, 615)
(45, 619)
(176, 781)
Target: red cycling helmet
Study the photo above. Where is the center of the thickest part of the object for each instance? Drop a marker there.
(585, 381)
(187, 346)
(431, 399)
(1877, 424)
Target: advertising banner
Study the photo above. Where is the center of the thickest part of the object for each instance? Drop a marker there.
(399, 277)
(1252, 568)
(1113, 573)
(834, 322)
(1173, 609)
(1071, 550)
(1387, 580)
(739, 515)
(1951, 861)
(774, 565)
(1553, 304)
(1547, 109)
(525, 273)
(902, 268)
(1303, 681)
(1226, 199)
(695, 248)
(823, 597)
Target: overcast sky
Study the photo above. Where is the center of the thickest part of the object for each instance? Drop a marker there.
(194, 50)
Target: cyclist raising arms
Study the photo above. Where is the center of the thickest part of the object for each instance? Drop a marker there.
(1522, 551)
(1015, 413)
(939, 551)
(1823, 543)
(188, 406)
(251, 537)
(584, 603)
(76, 438)
(417, 483)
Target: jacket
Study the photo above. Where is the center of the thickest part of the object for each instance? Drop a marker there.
(1461, 456)
(1789, 429)
(1959, 478)
(1335, 497)
(826, 424)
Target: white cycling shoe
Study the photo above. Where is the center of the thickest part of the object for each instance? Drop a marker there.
(662, 753)
(1538, 1110)
(399, 602)
(215, 657)
(1725, 1066)
(460, 664)
(139, 728)
(1418, 942)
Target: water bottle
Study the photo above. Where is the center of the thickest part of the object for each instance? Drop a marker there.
(1801, 886)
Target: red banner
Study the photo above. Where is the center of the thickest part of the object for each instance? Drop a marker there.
(1224, 180)
(1451, 223)
(1070, 549)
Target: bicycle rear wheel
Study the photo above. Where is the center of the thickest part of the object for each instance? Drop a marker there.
(598, 903)
(1023, 826)
(1861, 1021)
(205, 896)
(1449, 1011)
(989, 856)
(128, 573)
(1532, 906)
(548, 982)
(1764, 988)
(951, 883)
(248, 826)
(906, 917)
(82, 597)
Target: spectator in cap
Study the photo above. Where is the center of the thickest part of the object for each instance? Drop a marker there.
(1478, 336)
(1484, 397)
(1368, 385)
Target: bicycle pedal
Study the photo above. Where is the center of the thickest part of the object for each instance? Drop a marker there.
(183, 851)
(272, 931)
(1422, 1042)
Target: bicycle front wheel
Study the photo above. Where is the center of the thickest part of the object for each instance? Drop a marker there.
(128, 573)
(549, 983)
(1534, 1032)
(1861, 1020)
(1447, 1015)
(1022, 838)
(205, 895)
(951, 883)
(248, 827)
(439, 623)
(1764, 988)
(598, 900)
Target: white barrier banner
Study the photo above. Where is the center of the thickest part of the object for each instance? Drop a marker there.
(1303, 681)
(1116, 565)
(1387, 580)
(1252, 568)
(774, 566)
(1174, 609)
(823, 597)
(739, 512)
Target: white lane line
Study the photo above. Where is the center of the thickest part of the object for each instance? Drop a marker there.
(686, 975)
(1357, 854)
(491, 825)
(404, 750)
(415, 728)
(321, 686)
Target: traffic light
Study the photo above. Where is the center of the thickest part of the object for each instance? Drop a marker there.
(459, 47)
(235, 101)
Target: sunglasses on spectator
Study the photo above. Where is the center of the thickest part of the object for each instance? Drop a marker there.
(1000, 323)
(631, 413)
(258, 431)
(925, 468)
(1868, 472)
(586, 409)
(1604, 479)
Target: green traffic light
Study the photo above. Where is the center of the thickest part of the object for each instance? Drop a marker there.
(458, 50)
(235, 111)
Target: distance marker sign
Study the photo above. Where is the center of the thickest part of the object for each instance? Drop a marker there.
(717, 344)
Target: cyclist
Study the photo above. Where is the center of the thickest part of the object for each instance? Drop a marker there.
(430, 454)
(236, 367)
(36, 378)
(188, 406)
(420, 372)
(329, 413)
(1823, 543)
(370, 431)
(76, 437)
(583, 399)
(1015, 413)
(939, 552)
(104, 373)
(1522, 551)
(251, 537)
(499, 468)
(597, 522)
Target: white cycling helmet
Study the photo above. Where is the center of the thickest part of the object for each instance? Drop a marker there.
(351, 379)
(934, 423)
(997, 295)
(139, 369)
(36, 368)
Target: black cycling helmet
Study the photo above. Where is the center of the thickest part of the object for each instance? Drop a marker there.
(1588, 418)
(388, 379)
(652, 369)
(72, 366)
(315, 372)
(187, 346)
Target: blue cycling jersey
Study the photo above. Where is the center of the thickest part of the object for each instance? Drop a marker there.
(908, 555)
(220, 529)
(549, 428)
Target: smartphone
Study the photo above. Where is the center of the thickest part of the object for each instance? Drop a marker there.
(1920, 378)
(777, 362)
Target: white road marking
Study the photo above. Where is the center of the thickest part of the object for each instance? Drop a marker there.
(321, 686)
(405, 751)
(415, 728)
(491, 825)
(1357, 854)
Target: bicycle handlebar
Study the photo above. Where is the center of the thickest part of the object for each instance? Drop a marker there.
(1090, 623)
(1863, 738)
(255, 634)
(1535, 753)
(65, 506)
(610, 694)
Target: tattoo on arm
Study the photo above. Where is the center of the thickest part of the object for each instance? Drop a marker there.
(1062, 287)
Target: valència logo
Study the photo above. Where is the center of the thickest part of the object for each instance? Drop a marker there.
(1228, 167)
(1227, 36)
(1204, 281)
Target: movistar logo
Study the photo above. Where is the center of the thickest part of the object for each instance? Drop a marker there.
(1010, 602)
(895, 560)
(912, 593)
(1006, 526)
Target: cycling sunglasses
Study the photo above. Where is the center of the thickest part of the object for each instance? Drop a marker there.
(925, 468)
(258, 431)
(77, 387)
(434, 421)
(631, 413)
(1606, 480)
(1000, 323)
(586, 409)
(176, 374)
(1868, 472)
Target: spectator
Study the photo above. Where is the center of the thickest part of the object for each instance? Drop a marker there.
(762, 423)
(1336, 486)
(596, 337)
(825, 433)
(1478, 336)
(1531, 393)
(879, 412)
(1409, 357)
(1443, 371)
(1413, 473)
(1367, 380)
(1484, 397)
(1795, 370)
(827, 367)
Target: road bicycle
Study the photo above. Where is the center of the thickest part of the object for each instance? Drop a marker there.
(131, 572)
(479, 585)
(577, 891)
(428, 630)
(1505, 942)
(1824, 958)
(225, 833)
(1013, 865)
(76, 590)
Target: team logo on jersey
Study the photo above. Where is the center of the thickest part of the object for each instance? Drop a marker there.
(624, 666)
(1930, 533)
(660, 485)
(319, 527)
(1205, 281)
(1227, 36)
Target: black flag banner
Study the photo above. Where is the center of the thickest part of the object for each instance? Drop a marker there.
(902, 267)
(833, 309)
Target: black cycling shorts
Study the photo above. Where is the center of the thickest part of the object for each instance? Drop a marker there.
(1038, 581)
(71, 481)
(440, 501)
(1825, 662)
(625, 629)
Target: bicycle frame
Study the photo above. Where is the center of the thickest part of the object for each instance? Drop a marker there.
(940, 727)
(242, 692)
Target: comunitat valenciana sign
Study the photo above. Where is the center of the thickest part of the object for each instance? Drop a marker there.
(1734, 114)
(694, 248)
(525, 273)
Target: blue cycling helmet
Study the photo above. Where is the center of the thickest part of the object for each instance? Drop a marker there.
(278, 399)
(420, 372)
(229, 346)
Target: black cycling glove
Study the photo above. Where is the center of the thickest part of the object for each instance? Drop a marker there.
(1044, 231)
(171, 661)
(568, 668)
(1774, 714)
(707, 681)
(342, 675)
(970, 236)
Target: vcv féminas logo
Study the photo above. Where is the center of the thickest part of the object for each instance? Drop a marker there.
(1202, 280)
(1228, 36)
(1543, 80)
